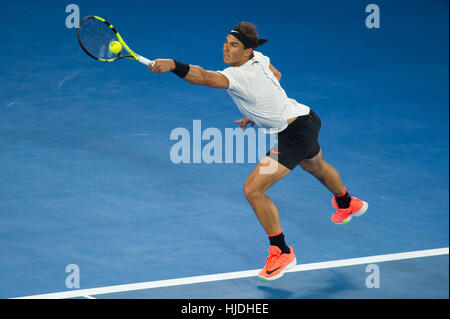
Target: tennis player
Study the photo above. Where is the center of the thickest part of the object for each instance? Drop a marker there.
(254, 85)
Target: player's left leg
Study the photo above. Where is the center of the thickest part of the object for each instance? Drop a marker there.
(325, 173)
(346, 206)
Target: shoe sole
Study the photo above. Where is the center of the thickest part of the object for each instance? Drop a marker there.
(357, 214)
(291, 264)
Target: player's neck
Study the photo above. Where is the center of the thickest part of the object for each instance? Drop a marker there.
(240, 63)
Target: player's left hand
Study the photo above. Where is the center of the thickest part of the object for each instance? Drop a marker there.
(244, 122)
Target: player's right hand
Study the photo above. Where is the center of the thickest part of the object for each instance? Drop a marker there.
(162, 66)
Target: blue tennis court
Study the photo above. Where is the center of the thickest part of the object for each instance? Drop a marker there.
(87, 177)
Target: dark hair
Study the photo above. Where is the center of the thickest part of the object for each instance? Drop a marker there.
(249, 29)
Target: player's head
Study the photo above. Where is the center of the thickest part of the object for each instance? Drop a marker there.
(239, 44)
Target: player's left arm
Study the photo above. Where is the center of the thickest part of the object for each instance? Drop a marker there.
(195, 74)
(275, 72)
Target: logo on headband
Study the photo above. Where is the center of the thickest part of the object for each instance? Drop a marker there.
(246, 41)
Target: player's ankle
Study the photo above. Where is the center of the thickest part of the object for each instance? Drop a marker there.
(343, 200)
(278, 240)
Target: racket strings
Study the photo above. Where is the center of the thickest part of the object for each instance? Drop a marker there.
(96, 36)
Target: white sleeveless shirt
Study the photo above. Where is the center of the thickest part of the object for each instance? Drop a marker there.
(259, 96)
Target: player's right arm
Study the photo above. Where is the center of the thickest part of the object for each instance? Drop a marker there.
(199, 76)
(196, 75)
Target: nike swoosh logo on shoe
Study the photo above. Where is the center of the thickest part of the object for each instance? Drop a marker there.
(271, 271)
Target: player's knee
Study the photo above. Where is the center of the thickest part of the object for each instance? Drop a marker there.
(251, 190)
(248, 189)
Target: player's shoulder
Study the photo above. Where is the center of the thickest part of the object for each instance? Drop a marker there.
(258, 56)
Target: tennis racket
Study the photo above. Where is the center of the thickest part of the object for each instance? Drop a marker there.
(95, 35)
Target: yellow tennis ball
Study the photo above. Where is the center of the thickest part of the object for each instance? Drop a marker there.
(115, 47)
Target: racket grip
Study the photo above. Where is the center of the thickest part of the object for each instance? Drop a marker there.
(145, 61)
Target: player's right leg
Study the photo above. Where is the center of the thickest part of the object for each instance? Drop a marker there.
(281, 256)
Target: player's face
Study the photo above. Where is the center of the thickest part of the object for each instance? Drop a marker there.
(234, 52)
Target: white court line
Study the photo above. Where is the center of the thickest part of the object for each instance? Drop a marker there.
(237, 274)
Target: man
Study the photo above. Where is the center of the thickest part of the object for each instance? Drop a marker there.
(253, 83)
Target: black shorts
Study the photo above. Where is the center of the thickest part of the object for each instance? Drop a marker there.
(299, 141)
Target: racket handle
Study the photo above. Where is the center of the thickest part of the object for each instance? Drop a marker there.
(145, 61)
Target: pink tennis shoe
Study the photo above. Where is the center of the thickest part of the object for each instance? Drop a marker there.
(344, 215)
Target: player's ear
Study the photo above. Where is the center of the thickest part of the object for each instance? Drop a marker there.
(248, 52)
